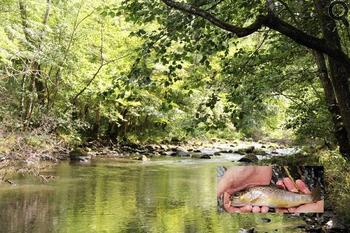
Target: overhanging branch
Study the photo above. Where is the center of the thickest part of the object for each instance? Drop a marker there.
(270, 21)
(239, 31)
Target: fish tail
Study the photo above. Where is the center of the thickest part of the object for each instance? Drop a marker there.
(316, 194)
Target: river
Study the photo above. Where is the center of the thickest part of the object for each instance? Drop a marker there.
(175, 195)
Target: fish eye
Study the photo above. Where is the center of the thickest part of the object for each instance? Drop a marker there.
(237, 194)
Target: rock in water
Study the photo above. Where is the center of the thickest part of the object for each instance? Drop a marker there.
(250, 149)
(249, 159)
(244, 151)
(180, 152)
(79, 155)
(145, 158)
(205, 156)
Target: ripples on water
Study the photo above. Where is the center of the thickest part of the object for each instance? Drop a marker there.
(159, 196)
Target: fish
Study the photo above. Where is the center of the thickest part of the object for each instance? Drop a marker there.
(273, 197)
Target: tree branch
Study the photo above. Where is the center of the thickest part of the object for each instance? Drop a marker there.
(215, 5)
(239, 31)
(24, 18)
(270, 21)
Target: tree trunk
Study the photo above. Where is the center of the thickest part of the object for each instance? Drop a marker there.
(39, 84)
(338, 72)
(339, 130)
(97, 123)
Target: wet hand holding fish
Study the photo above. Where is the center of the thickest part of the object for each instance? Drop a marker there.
(273, 197)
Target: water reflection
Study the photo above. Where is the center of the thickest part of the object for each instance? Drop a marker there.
(135, 197)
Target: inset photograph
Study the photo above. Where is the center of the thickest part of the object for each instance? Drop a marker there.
(263, 189)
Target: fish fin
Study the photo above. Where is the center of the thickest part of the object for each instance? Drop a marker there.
(316, 194)
(255, 199)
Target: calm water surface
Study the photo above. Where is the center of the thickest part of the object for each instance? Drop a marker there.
(110, 196)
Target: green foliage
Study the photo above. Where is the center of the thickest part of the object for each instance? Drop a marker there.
(139, 71)
(337, 175)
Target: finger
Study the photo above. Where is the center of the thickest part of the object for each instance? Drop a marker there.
(264, 209)
(227, 204)
(232, 209)
(256, 209)
(246, 209)
(302, 186)
(290, 185)
(280, 184)
(317, 207)
(227, 199)
(281, 210)
(292, 210)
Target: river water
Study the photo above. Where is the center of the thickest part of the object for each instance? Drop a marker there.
(127, 196)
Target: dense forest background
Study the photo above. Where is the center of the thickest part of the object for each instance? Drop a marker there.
(142, 72)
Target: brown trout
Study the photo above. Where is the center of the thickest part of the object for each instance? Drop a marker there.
(273, 197)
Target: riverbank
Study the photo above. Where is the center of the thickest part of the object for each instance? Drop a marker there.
(31, 152)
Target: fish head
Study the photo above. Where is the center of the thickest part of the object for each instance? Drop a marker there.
(242, 198)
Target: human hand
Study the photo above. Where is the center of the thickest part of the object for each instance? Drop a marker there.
(286, 183)
(241, 177)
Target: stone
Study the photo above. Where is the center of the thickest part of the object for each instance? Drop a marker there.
(79, 155)
(181, 152)
(205, 157)
(246, 150)
(250, 158)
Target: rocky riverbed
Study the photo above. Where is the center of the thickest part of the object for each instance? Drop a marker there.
(239, 151)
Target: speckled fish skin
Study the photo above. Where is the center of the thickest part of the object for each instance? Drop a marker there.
(272, 197)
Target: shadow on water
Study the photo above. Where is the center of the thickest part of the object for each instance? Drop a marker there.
(128, 197)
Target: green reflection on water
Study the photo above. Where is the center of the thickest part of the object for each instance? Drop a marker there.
(127, 197)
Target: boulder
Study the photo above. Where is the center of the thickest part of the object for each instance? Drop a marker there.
(170, 153)
(250, 158)
(150, 147)
(246, 150)
(205, 157)
(79, 155)
(180, 152)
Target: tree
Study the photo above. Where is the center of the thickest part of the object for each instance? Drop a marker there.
(266, 16)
